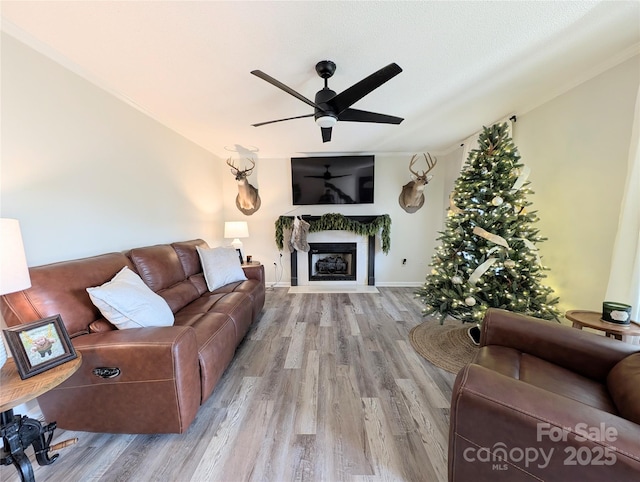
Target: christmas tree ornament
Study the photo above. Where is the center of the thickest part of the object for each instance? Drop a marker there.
(509, 263)
(456, 280)
(470, 301)
(497, 201)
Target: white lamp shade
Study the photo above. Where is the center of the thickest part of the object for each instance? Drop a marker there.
(236, 229)
(14, 273)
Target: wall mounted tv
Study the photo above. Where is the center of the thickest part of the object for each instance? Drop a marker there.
(332, 180)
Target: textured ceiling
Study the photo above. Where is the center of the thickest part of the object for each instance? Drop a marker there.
(465, 63)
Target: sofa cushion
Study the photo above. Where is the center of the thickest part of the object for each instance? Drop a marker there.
(188, 255)
(59, 288)
(158, 266)
(216, 339)
(252, 287)
(236, 306)
(623, 383)
(128, 303)
(221, 266)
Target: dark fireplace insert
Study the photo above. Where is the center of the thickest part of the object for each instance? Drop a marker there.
(332, 261)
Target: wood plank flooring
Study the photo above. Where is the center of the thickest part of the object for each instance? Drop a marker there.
(325, 387)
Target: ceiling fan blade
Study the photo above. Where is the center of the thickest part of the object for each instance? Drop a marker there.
(328, 178)
(280, 120)
(347, 98)
(326, 134)
(287, 89)
(355, 115)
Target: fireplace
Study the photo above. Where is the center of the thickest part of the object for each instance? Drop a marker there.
(366, 266)
(332, 261)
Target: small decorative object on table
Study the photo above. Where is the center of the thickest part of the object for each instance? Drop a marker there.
(39, 346)
(614, 312)
(249, 258)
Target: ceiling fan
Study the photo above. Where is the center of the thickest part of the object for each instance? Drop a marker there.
(329, 107)
(327, 176)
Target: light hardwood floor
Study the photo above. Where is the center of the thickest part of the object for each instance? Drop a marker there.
(325, 387)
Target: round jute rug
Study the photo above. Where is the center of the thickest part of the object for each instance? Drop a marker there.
(447, 346)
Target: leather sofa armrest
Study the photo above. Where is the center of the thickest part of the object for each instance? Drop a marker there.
(147, 351)
(502, 428)
(582, 352)
(254, 272)
(156, 388)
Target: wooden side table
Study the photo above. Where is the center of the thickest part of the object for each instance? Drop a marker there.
(18, 432)
(250, 263)
(593, 319)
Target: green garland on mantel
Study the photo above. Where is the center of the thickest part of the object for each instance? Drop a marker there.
(338, 222)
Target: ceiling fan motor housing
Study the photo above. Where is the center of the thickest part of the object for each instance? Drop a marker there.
(325, 110)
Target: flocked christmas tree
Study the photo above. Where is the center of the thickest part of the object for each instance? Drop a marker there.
(488, 255)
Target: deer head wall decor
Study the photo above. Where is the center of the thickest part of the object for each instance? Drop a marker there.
(412, 196)
(247, 200)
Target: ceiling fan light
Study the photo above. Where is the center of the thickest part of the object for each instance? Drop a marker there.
(326, 121)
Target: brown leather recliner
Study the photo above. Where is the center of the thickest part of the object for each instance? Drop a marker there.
(543, 401)
(164, 373)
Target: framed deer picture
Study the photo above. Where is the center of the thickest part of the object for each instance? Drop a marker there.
(39, 346)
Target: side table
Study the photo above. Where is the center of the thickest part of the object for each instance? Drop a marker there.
(250, 263)
(18, 432)
(593, 319)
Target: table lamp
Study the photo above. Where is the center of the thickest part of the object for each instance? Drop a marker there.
(14, 273)
(236, 230)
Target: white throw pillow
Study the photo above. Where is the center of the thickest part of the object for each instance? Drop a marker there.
(129, 303)
(221, 266)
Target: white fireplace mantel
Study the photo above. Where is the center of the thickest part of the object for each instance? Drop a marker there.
(366, 254)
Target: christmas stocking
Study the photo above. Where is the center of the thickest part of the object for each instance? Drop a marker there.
(299, 235)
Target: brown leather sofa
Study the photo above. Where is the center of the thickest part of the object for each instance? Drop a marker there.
(165, 373)
(543, 401)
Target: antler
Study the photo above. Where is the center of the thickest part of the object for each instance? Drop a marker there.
(232, 165)
(250, 169)
(411, 163)
(237, 172)
(430, 164)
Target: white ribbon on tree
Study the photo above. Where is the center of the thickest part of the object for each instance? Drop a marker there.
(494, 238)
(480, 270)
(522, 178)
(484, 267)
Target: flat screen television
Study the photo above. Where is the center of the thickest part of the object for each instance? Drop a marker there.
(332, 180)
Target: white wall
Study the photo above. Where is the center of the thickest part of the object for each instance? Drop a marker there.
(412, 235)
(85, 173)
(577, 146)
